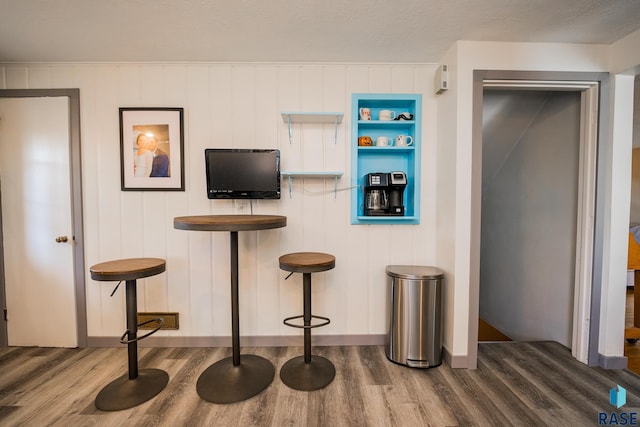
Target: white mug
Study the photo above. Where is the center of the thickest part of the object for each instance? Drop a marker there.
(383, 141)
(386, 115)
(404, 140)
(365, 114)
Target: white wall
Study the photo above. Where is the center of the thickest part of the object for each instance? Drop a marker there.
(624, 57)
(460, 163)
(624, 61)
(455, 321)
(215, 98)
(239, 105)
(617, 172)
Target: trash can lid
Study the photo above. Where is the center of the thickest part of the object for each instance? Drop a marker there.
(414, 272)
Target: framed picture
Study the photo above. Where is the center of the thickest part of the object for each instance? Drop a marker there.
(152, 149)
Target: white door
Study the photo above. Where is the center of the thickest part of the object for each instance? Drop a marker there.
(35, 188)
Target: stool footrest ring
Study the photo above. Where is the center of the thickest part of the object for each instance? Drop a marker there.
(160, 320)
(287, 322)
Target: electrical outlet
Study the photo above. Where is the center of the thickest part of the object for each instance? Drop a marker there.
(241, 206)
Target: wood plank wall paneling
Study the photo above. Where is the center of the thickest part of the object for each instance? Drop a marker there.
(239, 105)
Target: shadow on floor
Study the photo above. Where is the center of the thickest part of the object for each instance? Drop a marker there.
(486, 332)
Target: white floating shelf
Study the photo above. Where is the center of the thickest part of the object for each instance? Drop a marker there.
(312, 174)
(313, 117)
(321, 175)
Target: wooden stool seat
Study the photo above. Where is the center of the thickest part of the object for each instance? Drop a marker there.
(307, 262)
(307, 373)
(127, 269)
(137, 387)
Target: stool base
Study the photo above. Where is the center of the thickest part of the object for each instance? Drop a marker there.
(123, 393)
(307, 376)
(223, 382)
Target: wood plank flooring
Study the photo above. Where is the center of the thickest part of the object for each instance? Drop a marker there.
(526, 384)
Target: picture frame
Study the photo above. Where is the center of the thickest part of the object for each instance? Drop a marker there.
(152, 149)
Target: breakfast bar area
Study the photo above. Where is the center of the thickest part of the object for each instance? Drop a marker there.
(290, 214)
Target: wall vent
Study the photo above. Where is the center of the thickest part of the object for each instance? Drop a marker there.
(171, 320)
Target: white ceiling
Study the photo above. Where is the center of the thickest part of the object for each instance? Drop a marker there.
(294, 30)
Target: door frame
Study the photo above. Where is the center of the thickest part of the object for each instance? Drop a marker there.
(587, 288)
(76, 207)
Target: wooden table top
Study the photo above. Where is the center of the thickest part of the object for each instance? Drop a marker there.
(229, 222)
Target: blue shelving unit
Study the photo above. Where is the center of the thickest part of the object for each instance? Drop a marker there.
(386, 159)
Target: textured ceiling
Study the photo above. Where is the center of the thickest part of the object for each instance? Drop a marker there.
(294, 30)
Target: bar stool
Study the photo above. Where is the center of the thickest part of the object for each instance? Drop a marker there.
(139, 386)
(307, 373)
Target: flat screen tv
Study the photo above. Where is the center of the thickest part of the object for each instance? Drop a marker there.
(242, 173)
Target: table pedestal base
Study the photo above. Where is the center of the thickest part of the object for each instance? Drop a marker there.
(307, 376)
(223, 382)
(123, 393)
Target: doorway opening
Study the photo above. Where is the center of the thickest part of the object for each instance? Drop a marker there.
(584, 320)
(530, 170)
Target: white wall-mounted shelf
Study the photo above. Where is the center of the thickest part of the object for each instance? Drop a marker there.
(295, 174)
(317, 175)
(312, 117)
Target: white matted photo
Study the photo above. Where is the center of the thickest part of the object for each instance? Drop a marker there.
(152, 149)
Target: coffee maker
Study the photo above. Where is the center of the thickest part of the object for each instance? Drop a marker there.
(376, 195)
(383, 193)
(397, 184)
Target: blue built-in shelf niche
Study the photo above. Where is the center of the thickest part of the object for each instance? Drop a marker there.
(367, 159)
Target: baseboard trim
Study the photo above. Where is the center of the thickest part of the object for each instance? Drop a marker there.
(455, 362)
(612, 362)
(250, 341)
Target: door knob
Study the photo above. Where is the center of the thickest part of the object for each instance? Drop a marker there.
(61, 239)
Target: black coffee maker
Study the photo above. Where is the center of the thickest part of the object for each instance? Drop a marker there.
(397, 184)
(376, 194)
(383, 193)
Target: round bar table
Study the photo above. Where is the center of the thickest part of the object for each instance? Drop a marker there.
(232, 379)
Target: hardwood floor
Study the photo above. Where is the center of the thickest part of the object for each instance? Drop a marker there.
(515, 384)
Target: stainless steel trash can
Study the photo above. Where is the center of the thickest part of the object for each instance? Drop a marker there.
(414, 314)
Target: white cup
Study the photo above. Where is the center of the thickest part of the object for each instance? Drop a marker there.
(386, 115)
(383, 141)
(365, 113)
(404, 140)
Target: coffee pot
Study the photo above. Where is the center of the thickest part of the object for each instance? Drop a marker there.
(383, 193)
(376, 195)
(377, 201)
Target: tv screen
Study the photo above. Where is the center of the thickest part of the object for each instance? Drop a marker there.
(242, 173)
